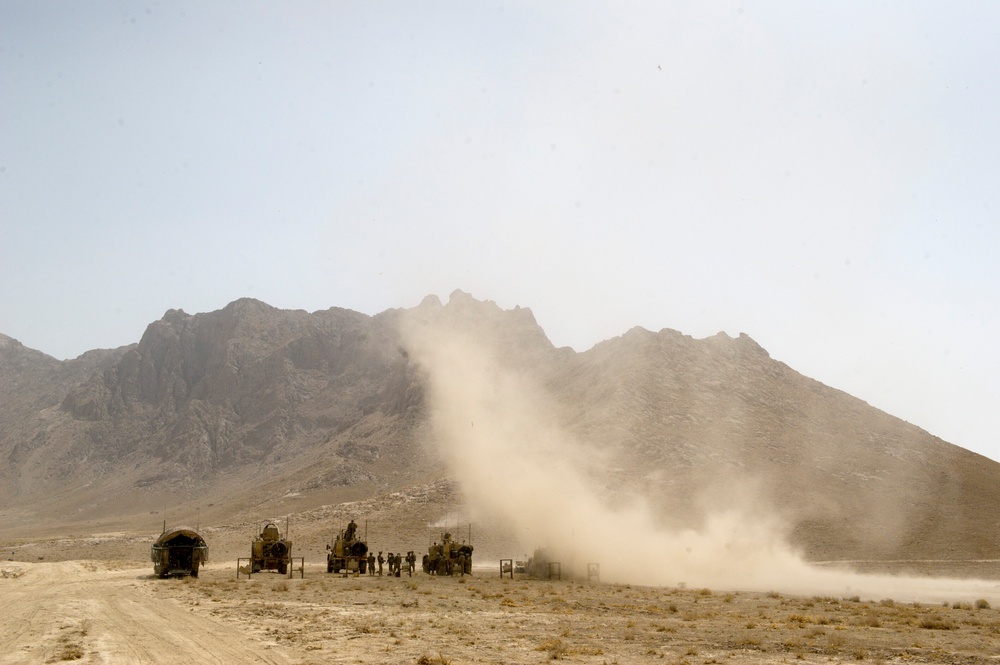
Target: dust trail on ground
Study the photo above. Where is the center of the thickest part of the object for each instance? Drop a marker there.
(498, 430)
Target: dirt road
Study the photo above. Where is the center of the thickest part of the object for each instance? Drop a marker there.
(92, 612)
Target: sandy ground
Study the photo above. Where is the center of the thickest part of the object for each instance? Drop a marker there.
(94, 611)
(100, 613)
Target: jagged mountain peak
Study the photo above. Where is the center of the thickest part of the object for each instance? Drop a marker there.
(513, 332)
(490, 310)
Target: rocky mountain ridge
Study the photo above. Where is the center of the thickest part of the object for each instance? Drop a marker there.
(253, 408)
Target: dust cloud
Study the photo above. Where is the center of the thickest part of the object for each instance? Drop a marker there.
(497, 429)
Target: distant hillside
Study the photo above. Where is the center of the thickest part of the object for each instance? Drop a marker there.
(236, 410)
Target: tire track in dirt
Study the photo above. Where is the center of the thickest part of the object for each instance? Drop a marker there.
(70, 611)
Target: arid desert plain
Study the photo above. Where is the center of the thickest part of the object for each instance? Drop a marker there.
(109, 608)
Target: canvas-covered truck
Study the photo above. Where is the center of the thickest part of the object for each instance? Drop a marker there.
(178, 552)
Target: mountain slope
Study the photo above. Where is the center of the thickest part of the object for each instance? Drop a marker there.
(251, 408)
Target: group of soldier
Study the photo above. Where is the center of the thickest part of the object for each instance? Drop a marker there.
(395, 562)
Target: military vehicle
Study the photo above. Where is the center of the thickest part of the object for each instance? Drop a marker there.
(270, 551)
(348, 552)
(546, 565)
(448, 558)
(538, 564)
(178, 552)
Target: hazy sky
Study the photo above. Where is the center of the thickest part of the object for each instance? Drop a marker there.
(821, 176)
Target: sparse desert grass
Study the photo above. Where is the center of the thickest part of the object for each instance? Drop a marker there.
(937, 622)
(868, 619)
(488, 620)
(555, 648)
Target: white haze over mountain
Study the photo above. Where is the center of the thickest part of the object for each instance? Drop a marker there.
(497, 429)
